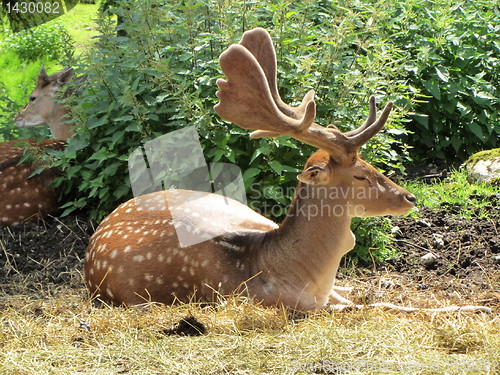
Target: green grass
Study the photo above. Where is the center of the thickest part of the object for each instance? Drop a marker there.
(63, 334)
(455, 191)
(19, 76)
(80, 25)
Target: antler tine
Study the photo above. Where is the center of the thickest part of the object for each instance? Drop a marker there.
(259, 43)
(246, 99)
(367, 131)
(372, 116)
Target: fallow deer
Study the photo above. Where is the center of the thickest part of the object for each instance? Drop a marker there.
(25, 198)
(135, 257)
(43, 106)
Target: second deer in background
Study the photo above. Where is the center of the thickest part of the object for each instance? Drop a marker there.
(25, 198)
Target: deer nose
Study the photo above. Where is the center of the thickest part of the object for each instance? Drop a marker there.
(411, 198)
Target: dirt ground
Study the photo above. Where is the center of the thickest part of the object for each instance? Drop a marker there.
(464, 267)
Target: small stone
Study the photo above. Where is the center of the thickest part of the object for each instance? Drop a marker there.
(496, 259)
(422, 286)
(387, 284)
(437, 241)
(428, 260)
(84, 325)
(484, 166)
(396, 232)
(424, 223)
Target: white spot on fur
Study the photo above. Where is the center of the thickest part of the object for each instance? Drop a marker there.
(108, 292)
(138, 258)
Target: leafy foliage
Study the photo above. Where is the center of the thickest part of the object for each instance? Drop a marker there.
(7, 107)
(454, 63)
(373, 240)
(47, 40)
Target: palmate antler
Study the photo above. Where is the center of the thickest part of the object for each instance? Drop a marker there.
(249, 98)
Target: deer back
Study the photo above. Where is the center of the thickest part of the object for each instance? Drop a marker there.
(24, 198)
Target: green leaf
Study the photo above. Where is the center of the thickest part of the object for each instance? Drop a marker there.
(484, 95)
(456, 143)
(443, 73)
(422, 120)
(124, 118)
(477, 130)
(251, 173)
(97, 123)
(433, 87)
(276, 166)
(255, 155)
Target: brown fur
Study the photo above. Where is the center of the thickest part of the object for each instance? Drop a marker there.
(25, 198)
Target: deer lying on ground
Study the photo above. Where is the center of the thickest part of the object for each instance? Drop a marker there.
(25, 198)
(135, 257)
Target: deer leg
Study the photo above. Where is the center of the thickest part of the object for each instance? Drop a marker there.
(336, 299)
(342, 290)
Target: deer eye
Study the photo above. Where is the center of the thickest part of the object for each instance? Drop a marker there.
(32, 98)
(360, 178)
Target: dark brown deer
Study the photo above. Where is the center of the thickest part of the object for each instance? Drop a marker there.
(25, 198)
(135, 257)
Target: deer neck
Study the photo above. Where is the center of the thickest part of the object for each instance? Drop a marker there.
(312, 239)
(59, 127)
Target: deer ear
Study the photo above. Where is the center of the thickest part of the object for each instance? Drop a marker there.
(42, 79)
(65, 76)
(314, 175)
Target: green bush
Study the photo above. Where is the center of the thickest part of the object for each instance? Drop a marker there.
(7, 108)
(453, 55)
(50, 41)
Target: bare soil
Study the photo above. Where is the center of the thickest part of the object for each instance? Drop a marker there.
(465, 269)
(49, 255)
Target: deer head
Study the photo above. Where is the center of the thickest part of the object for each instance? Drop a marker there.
(43, 106)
